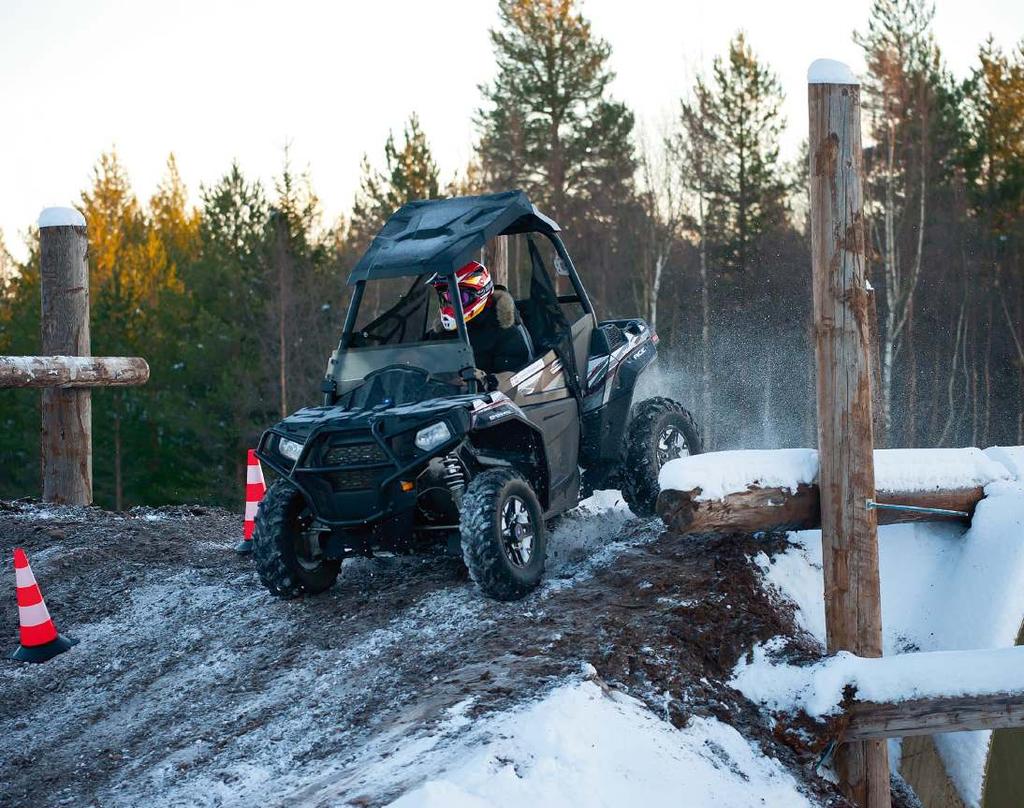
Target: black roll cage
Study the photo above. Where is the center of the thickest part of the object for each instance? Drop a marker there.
(460, 321)
(462, 332)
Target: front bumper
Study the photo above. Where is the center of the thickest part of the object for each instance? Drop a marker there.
(351, 475)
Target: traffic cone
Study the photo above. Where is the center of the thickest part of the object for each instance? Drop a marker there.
(39, 638)
(255, 488)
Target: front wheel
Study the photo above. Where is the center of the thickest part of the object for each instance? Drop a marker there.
(660, 430)
(285, 553)
(504, 540)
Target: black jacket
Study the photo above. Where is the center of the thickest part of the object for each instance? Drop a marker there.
(496, 335)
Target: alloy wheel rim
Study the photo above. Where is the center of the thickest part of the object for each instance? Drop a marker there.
(671, 444)
(517, 532)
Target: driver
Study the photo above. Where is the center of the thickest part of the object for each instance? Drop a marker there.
(495, 331)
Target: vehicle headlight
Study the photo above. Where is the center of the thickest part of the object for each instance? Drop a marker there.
(430, 437)
(289, 448)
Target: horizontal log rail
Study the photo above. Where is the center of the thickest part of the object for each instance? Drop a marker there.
(871, 721)
(919, 693)
(759, 509)
(68, 372)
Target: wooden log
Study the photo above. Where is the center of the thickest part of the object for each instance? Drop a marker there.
(874, 721)
(66, 413)
(762, 509)
(853, 610)
(66, 372)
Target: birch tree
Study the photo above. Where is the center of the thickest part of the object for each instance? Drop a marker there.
(695, 150)
(662, 205)
(901, 58)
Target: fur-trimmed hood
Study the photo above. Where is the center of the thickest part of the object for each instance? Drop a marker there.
(504, 308)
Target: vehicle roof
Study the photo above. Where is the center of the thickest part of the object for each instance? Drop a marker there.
(441, 235)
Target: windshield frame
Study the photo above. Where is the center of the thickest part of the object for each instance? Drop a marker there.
(349, 366)
(357, 298)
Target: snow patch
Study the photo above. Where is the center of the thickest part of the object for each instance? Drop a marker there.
(830, 71)
(934, 469)
(579, 746)
(1012, 457)
(61, 217)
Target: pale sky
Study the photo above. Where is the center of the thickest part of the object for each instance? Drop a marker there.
(212, 81)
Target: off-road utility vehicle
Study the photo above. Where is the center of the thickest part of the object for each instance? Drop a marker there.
(414, 446)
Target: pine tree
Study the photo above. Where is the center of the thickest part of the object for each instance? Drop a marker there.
(300, 291)
(549, 126)
(994, 152)
(19, 412)
(7, 269)
(217, 373)
(173, 223)
(410, 173)
(732, 128)
(123, 292)
(993, 164)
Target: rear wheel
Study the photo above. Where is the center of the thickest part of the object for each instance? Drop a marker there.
(660, 430)
(286, 553)
(504, 540)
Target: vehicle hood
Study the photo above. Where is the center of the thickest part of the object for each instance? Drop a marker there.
(299, 425)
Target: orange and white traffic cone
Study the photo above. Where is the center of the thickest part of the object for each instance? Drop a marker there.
(39, 638)
(255, 488)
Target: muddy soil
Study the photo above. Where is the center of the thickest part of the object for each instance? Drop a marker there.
(192, 686)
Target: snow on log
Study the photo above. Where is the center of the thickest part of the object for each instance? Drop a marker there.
(72, 371)
(862, 698)
(749, 491)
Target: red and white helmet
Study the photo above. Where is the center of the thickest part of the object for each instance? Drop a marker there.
(475, 289)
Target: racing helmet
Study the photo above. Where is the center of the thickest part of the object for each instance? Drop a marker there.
(475, 289)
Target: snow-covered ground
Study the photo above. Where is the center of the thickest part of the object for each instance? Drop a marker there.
(585, 745)
(192, 686)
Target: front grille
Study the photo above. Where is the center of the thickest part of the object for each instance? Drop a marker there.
(355, 454)
(355, 479)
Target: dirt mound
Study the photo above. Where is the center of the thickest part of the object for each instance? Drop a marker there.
(192, 686)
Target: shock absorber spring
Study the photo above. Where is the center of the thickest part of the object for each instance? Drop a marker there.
(454, 474)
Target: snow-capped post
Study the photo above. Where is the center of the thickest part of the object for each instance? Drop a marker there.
(853, 613)
(67, 413)
(67, 369)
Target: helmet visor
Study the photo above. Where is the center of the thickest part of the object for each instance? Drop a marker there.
(465, 295)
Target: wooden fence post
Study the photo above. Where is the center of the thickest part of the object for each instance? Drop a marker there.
(853, 617)
(67, 413)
